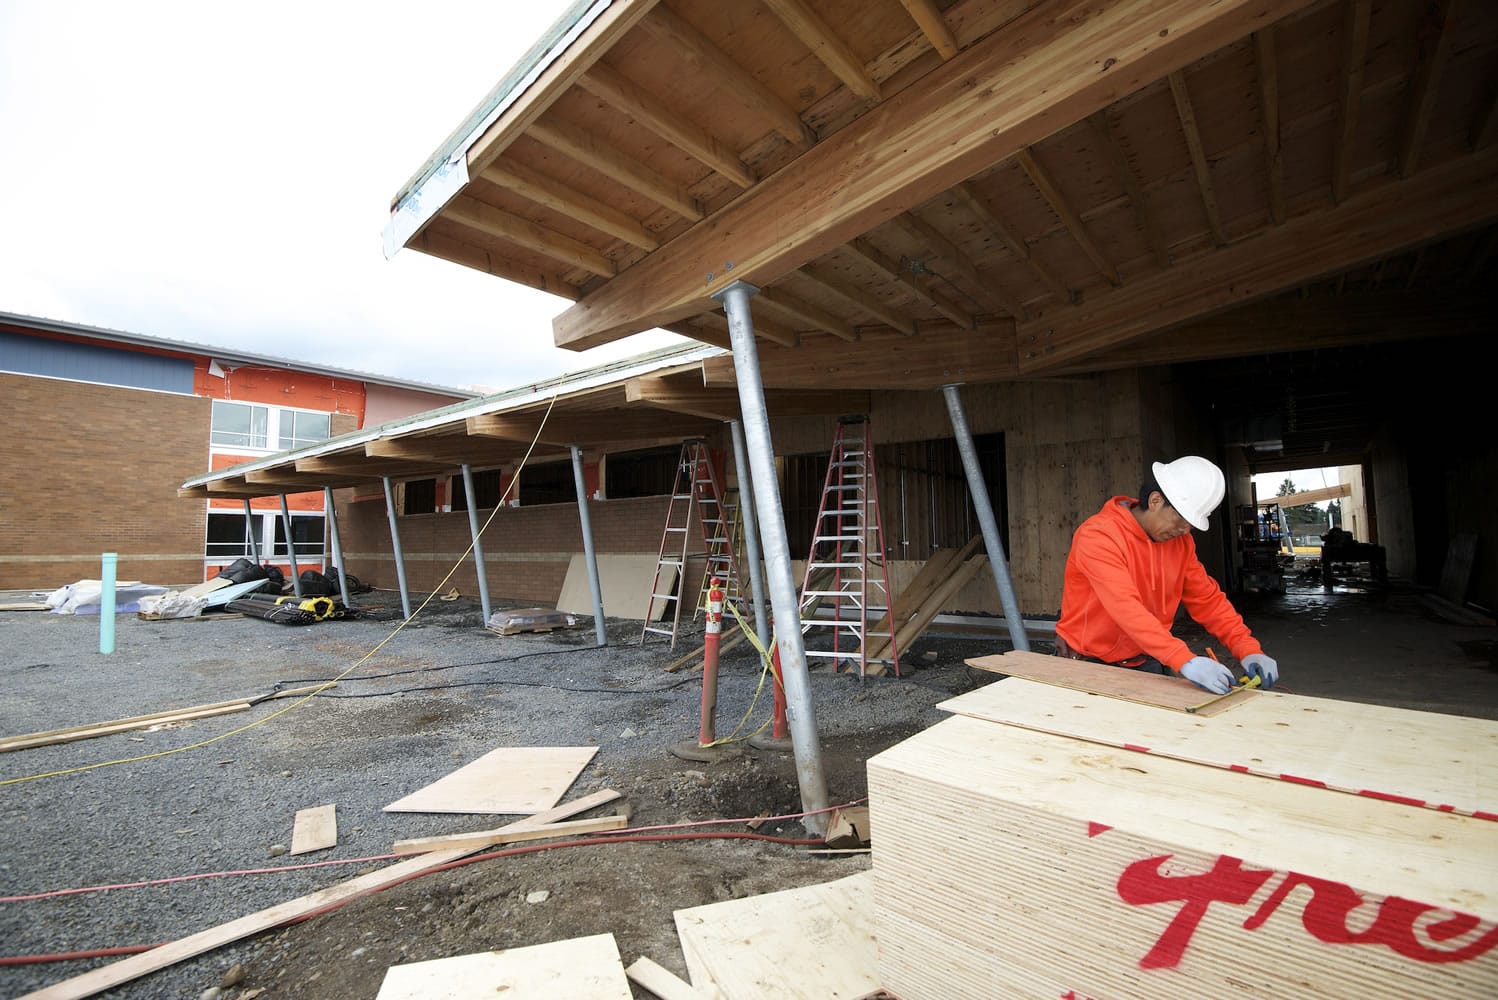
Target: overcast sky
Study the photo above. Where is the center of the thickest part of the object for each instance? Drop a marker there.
(221, 173)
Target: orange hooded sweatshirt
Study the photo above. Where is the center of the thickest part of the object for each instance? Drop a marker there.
(1122, 590)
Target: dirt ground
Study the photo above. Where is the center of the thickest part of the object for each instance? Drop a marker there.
(1379, 645)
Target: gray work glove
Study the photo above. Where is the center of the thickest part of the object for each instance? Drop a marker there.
(1263, 667)
(1208, 674)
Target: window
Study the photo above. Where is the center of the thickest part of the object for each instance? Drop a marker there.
(551, 483)
(419, 497)
(240, 424)
(307, 531)
(488, 487)
(642, 473)
(228, 537)
(299, 427)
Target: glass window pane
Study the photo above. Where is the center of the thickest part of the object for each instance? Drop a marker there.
(238, 424)
(298, 429)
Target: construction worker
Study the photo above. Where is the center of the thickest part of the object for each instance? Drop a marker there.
(1133, 563)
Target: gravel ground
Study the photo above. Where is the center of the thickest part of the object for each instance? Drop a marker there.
(439, 694)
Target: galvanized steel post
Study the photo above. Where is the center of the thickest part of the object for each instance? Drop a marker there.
(585, 520)
(395, 545)
(332, 511)
(478, 547)
(296, 576)
(249, 527)
(986, 521)
(786, 609)
(751, 530)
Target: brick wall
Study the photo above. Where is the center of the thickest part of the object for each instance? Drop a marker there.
(87, 469)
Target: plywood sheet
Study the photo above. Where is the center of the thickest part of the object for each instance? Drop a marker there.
(1421, 758)
(577, 967)
(1174, 693)
(507, 780)
(816, 941)
(314, 829)
(1019, 863)
(624, 578)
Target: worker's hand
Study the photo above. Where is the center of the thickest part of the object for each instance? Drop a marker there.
(1208, 674)
(1260, 666)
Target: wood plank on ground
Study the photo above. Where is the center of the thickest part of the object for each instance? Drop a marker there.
(665, 984)
(314, 829)
(1456, 569)
(1441, 762)
(1174, 693)
(506, 780)
(123, 971)
(815, 941)
(493, 838)
(577, 967)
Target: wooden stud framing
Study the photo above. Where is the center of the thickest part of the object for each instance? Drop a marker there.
(929, 19)
(1103, 126)
(824, 43)
(1432, 61)
(692, 46)
(1269, 105)
(855, 296)
(1068, 215)
(935, 240)
(1354, 53)
(1187, 115)
(796, 310)
(608, 84)
(871, 254)
(989, 220)
(582, 147)
(501, 224)
(535, 186)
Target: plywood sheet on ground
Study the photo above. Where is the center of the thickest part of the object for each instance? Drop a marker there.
(1018, 863)
(507, 780)
(816, 941)
(577, 967)
(1174, 693)
(1437, 761)
(625, 580)
(314, 829)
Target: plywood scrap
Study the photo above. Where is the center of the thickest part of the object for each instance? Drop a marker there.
(1174, 693)
(922, 616)
(848, 827)
(135, 966)
(817, 941)
(918, 591)
(665, 984)
(624, 579)
(507, 780)
(314, 829)
(516, 833)
(1102, 873)
(577, 967)
(1420, 758)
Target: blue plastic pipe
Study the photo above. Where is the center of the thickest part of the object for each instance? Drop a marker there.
(106, 602)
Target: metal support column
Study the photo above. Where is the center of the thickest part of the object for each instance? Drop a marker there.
(478, 547)
(585, 520)
(984, 506)
(249, 527)
(751, 530)
(395, 545)
(332, 512)
(784, 606)
(296, 574)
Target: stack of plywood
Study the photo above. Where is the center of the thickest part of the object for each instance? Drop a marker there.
(1047, 842)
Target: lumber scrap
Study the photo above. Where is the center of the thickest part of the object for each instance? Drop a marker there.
(1454, 613)
(574, 967)
(1157, 690)
(504, 780)
(665, 984)
(1154, 878)
(135, 966)
(314, 829)
(513, 834)
(927, 579)
(922, 616)
(726, 641)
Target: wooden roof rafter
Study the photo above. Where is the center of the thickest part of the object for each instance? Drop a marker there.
(902, 274)
(824, 43)
(485, 259)
(1354, 57)
(1267, 63)
(1016, 244)
(928, 17)
(983, 290)
(1041, 178)
(803, 314)
(536, 187)
(475, 214)
(1187, 115)
(1435, 39)
(850, 294)
(575, 143)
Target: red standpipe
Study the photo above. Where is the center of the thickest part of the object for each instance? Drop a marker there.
(705, 736)
(779, 730)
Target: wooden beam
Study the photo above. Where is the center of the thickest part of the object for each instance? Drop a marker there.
(692, 46)
(535, 186)
(883, 359)
(666, 393)
(1434, 38)
(856, 297)
(498, 223)
(701, 332)
(1068, 215)
(928, 18)
(1354, 53)
(1269, 105)
(373, 468)
(483, 259)
(1003, 92)
(589, 428)
(1015, 243)
(611, 25)
(764, 327)
(608, 84)
(825, 44)
(879, 261)
(1439, 200)
(1303, 497)
(577, 144)
(987, 290)
(1485, 125)
(1199, 163)
(1113, 149)
(462, 450)
(799, 312)
(288, 480)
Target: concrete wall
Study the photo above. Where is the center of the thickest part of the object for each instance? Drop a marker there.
(89, 469)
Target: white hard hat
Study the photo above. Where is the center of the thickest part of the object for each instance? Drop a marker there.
(1193, 486)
